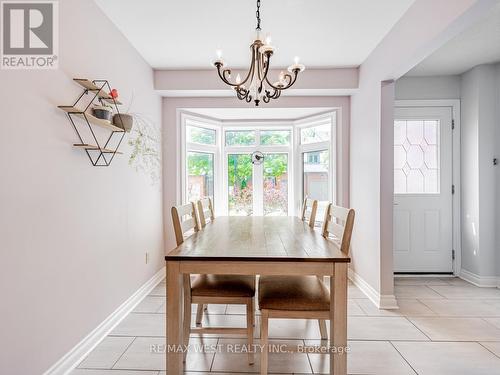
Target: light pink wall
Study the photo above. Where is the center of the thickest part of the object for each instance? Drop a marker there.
(407, 44)
(72, 237)
(338, 78)
(170, 140)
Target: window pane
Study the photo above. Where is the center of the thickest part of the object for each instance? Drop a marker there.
(240, 138)
(240, 188)
(200, 182)
(275, 137)
(276, 185)
(316, 177)
(314, 134)
(202, 136)
(416, 156)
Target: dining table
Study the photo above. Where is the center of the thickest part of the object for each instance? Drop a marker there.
(258, 245)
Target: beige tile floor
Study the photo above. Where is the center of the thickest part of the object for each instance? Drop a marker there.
(444, 326)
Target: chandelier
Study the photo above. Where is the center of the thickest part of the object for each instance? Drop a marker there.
(256, 85)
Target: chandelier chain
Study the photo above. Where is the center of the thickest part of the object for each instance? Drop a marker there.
(257, 13)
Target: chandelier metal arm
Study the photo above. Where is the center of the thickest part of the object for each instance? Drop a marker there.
(291, 80)
(222, 75)
(250, 73)
(266, 58)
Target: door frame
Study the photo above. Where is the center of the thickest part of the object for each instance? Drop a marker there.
(454, 105)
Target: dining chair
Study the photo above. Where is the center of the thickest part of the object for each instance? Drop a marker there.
(302, 297)
(309, 208)
(205, 211)
(212, 289)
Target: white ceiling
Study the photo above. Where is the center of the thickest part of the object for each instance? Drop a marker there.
(480, 44)
(184, 34)
(252, 113)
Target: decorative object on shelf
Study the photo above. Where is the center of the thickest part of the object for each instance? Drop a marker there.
(101, 154)
(145, 142)
(124, 121)
(103, 112)
(256, 85)
(257, 158)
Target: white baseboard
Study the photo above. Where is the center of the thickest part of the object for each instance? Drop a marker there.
(480, 281)
(382, 301)
(426, 275)
(71, 359)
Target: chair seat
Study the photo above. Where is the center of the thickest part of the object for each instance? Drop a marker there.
(294, 293)
(223, 286)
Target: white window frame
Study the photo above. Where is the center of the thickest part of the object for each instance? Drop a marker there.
(257, 176)
(293, 150)
(189, 120)
(330, 146)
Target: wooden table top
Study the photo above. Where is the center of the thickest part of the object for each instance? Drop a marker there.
(258, 238)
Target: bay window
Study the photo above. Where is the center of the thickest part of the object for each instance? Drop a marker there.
(216, 162)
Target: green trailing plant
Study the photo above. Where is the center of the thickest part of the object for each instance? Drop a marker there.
(145, 141)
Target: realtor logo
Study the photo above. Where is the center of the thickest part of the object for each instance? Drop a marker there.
(29, 35)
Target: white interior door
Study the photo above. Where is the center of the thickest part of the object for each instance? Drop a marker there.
(423, 217)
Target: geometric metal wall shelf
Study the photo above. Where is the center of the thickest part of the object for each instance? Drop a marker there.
(101, 154)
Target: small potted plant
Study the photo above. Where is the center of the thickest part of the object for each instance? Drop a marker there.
(122, 120)
(103, 111)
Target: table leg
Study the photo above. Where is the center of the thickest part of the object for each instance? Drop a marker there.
(174, 319)
(338, 320)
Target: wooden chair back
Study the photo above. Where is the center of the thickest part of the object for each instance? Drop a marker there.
(339, 222)
(205, 211)
(185, 219)
(309, 209)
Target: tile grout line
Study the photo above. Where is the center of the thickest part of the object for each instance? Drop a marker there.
(491, 351)
(292, 338)
(490, 324)
(120, 357)
(213, 358)
(308, 359)
(423, 303)
(99, 369)
(359, 306)
(402, 356)
(433, 290)
(417, 328)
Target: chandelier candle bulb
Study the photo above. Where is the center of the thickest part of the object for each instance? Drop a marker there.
(266, 49)
(296, 67)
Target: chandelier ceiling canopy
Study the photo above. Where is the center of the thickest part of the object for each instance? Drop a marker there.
(256, 85)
